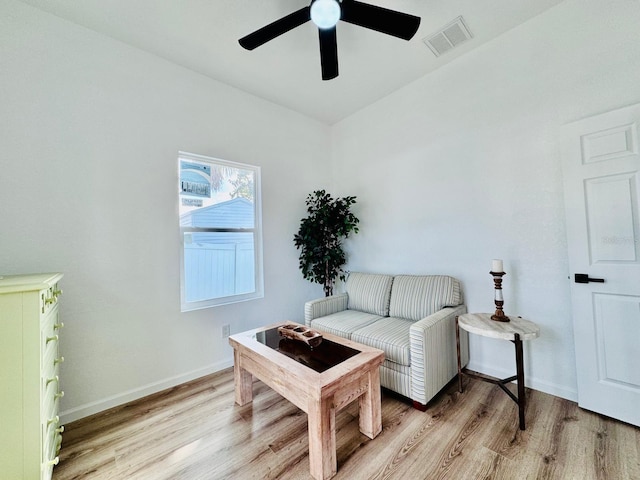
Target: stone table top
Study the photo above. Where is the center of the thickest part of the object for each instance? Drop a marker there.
(481, 324)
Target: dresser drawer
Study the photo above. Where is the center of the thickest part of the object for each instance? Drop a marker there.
(50, 450)
(50, 377)
(49, 298)
(50, 357)
(50, 326)
(51, 435)
(51, 397)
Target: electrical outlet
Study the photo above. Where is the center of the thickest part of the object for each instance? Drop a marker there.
(225, 331)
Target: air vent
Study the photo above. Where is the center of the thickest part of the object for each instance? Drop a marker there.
(448, 37)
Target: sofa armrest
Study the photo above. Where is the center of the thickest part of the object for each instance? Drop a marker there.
(324, 306)
(434, 361)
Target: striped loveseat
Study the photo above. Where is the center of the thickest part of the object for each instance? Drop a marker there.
(411, 318)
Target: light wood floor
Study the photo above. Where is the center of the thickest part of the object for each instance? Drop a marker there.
(194, 431)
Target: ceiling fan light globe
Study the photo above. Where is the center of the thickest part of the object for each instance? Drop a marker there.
(325, 13)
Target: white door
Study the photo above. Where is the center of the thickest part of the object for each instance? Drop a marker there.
(601, 168)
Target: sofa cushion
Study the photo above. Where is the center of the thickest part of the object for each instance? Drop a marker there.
(414, 297)
(344, 323)
(369, 292)
(390, 335)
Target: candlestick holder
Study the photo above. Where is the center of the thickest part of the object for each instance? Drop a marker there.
(499, 316)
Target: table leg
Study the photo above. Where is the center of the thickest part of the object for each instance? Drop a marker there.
(369, 403)
(243, 381)
(458, 354)
(522, 401)
(322, 438)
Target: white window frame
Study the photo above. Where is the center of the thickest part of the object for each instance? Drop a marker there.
(257, 238)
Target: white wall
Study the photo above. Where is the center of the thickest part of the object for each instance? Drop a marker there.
(462, 166)
(90, 129)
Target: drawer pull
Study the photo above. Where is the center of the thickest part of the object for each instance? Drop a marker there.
(57, 292)
(51, 380)
(55, 419)
(58, 326)
(52, 339)
(59, 395)
(58, 360)
(53, 462)
(60, 429)
(59, 442)
(49, 300)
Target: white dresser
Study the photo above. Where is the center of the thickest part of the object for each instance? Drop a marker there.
(29, 382)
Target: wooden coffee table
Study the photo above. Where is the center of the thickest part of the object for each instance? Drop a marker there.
(319, 381)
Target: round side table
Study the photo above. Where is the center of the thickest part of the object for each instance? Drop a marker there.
(516, 330)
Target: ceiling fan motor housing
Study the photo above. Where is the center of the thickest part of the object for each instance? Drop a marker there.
(325, 13)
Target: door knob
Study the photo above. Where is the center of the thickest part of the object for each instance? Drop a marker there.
(584, 278)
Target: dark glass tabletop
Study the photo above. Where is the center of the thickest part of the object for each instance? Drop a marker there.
(326, 355)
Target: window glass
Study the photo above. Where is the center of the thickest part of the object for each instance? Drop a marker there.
(219, 206)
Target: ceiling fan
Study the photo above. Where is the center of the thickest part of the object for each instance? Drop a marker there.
(326, 14)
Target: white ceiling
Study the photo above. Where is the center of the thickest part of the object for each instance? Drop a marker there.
(202, 35)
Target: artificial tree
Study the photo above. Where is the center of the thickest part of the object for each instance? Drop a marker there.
(320, 236)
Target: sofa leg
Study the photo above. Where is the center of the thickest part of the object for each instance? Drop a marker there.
(419, 406)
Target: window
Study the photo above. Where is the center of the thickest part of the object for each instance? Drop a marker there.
(220, 227)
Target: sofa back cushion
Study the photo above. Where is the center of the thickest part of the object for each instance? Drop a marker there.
(414, 297)
(369, 292)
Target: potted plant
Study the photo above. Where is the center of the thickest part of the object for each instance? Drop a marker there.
(320, 236)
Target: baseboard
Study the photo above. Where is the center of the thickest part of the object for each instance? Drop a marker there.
(532, 382)
(113, 401)
(82, 411)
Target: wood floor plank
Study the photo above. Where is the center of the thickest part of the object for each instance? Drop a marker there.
(196, 432)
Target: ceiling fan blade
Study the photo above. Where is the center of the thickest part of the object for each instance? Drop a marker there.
(328, 53)
(275, 29)
(391, 22)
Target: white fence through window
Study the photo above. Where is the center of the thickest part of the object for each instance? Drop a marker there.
(215, 270)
